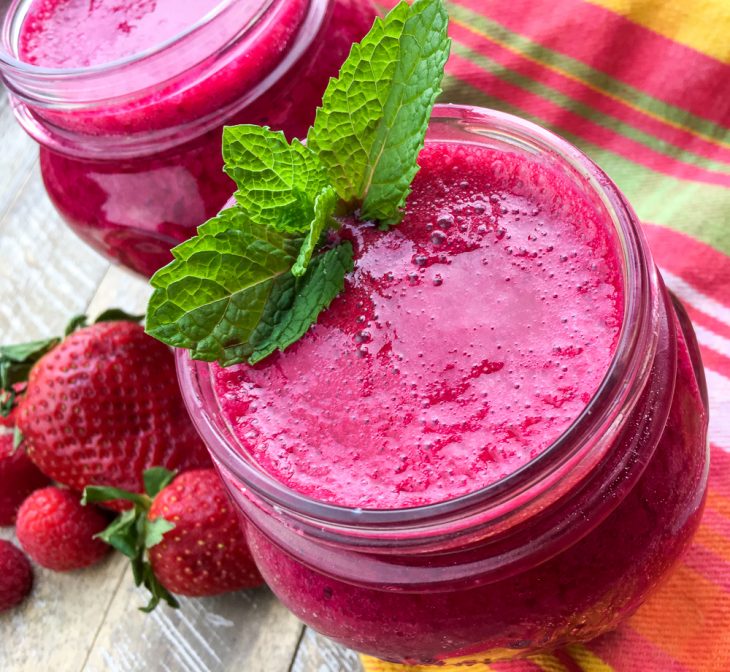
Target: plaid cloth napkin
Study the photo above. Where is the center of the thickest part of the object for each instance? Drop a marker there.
(642, 87)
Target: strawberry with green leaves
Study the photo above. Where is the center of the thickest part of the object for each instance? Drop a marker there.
(101, 405)
(182, 536)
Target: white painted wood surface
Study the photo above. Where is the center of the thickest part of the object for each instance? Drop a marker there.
(87, 621)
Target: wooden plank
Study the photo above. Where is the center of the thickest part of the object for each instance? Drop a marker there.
(317, 653)
(55, 627)
(18, 158)
(46, 274)
(120, 288)
(249, 630)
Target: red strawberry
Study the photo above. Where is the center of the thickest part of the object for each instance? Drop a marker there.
(103, 406)
(58, 532)
(18, 478)
(16, 576)
(206, 552)
(192, 535)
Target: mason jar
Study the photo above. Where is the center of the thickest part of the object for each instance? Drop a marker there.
(559, 551)
(130, 150)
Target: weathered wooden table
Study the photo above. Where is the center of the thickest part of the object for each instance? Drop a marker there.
(88, 620)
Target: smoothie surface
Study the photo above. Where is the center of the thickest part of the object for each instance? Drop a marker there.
(84, 33)
(468, 338)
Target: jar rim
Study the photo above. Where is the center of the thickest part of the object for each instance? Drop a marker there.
(576, 447)
(8, 60)
(43, 98)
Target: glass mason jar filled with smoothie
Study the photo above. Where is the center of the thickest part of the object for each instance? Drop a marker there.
(493, 442)
(128, 99)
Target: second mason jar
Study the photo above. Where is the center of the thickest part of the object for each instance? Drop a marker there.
(131, 148)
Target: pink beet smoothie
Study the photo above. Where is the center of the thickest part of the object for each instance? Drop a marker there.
(468, 339)
(79, 33)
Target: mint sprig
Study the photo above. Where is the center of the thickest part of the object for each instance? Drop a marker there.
(256, 277)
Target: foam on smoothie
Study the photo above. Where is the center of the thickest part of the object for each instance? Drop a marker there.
(83, 33)
(468, 338)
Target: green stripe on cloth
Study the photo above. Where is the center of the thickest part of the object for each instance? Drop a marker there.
(587, 74)
(697, 209)
(580, 108)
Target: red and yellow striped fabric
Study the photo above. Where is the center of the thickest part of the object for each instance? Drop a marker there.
(643, 87)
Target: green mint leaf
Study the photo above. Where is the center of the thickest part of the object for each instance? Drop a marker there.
(374, 116)
(155, 530)
(211, 298)
(277, 181)
(289, 319)
(324, 206)
(117, 315)
(155, 479)
(230, 294)
(17, 438)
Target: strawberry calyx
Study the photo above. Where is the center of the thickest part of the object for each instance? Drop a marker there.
(133, 534)
(18, 359)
